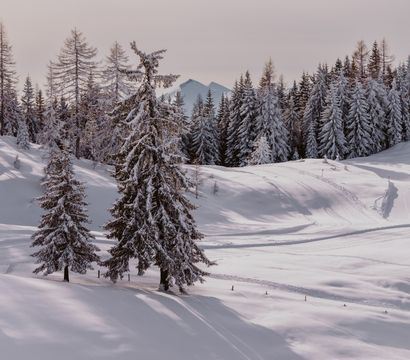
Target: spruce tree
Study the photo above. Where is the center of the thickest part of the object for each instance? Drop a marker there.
(29, 110)
(248, 127)
(313, 112)
(223, 124)
(204, 148)
(8, 107)
(179, 104)
(332, 139)
(40, 107)
(50, 135)
(270, 121)
(292, 120)
(23, 137)
(359, 138)
(262, 153)
(115, 82)
(65, 242)
(152, 219)
(377, 98)
(235, 120)
(403, 87)
(394, 117)
(211, 122)
(374, 65)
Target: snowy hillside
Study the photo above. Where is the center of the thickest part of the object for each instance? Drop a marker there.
(191, 89)
(313, 263)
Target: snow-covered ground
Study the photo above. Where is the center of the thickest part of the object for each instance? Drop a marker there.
(317, 255)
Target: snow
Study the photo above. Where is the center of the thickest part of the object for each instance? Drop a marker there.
(334, 234)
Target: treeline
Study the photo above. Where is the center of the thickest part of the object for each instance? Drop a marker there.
(357, 107)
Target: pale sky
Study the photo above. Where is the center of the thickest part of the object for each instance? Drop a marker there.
(208, 40)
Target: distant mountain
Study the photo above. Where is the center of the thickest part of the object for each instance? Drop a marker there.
(190, 90)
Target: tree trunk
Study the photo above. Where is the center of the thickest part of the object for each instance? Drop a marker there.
(66, 276)
(164, 281)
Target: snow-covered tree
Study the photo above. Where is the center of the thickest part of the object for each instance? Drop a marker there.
(71, 72)
(203, 145)
(40, 107)
(50, 135)
(360, 58)
(403, 87)
(7, 86)
(179, 104)
(210, 118)
(332, 139)
(374, 65)
(28, 110)
(248, 127)
(376, 99)
(262, 153)
(359, 138)
(92, 115)
(115, 82)
(235, 119)
(65, 242)
(270, 121)
(313, 111)
(292, 120)
(394, 117)
(152, 219)
(23, 137)
(223, 123)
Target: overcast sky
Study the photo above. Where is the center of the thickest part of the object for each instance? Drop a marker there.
(208, 40)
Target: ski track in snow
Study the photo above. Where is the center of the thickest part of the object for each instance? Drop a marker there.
(304, 241)
(314, 293)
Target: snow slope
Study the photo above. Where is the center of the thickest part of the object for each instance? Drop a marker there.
(317, 254)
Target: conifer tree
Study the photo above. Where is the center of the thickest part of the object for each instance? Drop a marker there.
(50, 135)
(313, 111)
(71, 72)
(65, 242)
(29, 111)
(262, 153)
(292, 120)
(270, 121)
(394, 117)
(152, 219)
(40, 107)
(223, 124)
(7, 86)
(332, 139)
(115, 82)
(248, 127)
(209, 115)
(376, 99)
(179, 104)
(403, 87)
(203, 145)
(359, 138)
(374, 65)
(235, 120)
(23, 138)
